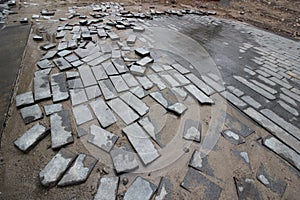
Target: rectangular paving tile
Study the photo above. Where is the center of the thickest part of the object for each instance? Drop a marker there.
(44, 64)
(215, 85)
(161, 99)
(79, 171)
(131, 39)
(42, 72)
(123, 159)
(142, 52)
(140, 189)
(281, 82)
(61, 131)
(169, 79)
(78, 96)
(99, 72)
(290, 128)
(72, 74)
(120, 65)
(24, 99)
(107, 89)
(101, 32)
(119, 83)
(273, 128)
(92, 57)
(103, 113)
(75, 83)
(283, 151)
(145, 82)
(252, 102)
(181, 79)
(130, 80)
(157, 81)
(102, 138)
(52, 108)
(100, 60)
(139, 92)
(56, 167)
(62, 64)
(288, 108)
(200, 84)
(123, 110)
(93, 92)
(109, 68)
(233, 99)
(108, 188)
(144, 61)
(265, 87)
(141, 142)
(255, 88)
(59, 87)
(137, 70)
(31, 137)
(71, 58)
(113, 36)
(87, 76)
(135, 103)
(31, 113)
(41, 88)
(82, 114)
(291, 94)
(198, 94)
(180, 68)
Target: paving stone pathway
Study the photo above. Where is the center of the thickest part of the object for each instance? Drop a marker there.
(114, 70)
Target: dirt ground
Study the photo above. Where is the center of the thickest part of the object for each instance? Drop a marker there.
(19, 172)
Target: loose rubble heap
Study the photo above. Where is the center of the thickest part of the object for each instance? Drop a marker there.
(104, 67)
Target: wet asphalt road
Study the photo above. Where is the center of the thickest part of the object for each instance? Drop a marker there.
(13, 40)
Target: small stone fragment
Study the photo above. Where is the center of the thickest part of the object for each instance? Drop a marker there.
(140, 189)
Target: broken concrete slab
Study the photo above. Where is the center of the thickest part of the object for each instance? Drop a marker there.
(24, 99)
(124, 160)
(198, 94)
(109, 68)
(62, 64)
(200, 162)
(103, 113)
(119, 83)
(107, 189)
(139, 92)
(200, 185)
(165, 190)
(141, 142)
(101, 138)
(138, 70)
(283, 151)
(237, 126)
(31, 137)
(177, 108)
(87, 76)
(82, 114)
(79, 171)
(135, 103)
(52, 108)
(192, 130)
(61, 131)
(144, 61)
(31, 113)
(140, 189)
(169, 79)
(93, 92)
(43, 72)
(78, 96)
(233, 137)
(44, 64)
(157, 81)
(123, 110)
(246, 188)
(41, 88)
(59, 87)
(57, 166)
(149, 127)
(130, 80)
(120, 65)
(276, 185)
(107, 89)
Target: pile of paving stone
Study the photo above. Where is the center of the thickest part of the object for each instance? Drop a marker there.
(106, 76)
(5, 10)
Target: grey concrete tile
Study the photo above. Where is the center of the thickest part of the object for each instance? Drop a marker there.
(82, 114)
(41, 88)
(246, 188)
(180, 68)
(288, 99)
(200, 84)
(52, 108)
(293, 95)
(100, 60)
(43, 72)
(87, 76)
(62, 64)
(107, 89)
(140, 189)
(198, 94)
(64, 53)
(119, 83)
(177, 108)
(200, 162)
(169, 79)
(79, 171)
(24, 99)
(139, 92)
(103, 113)
(135, 103)
(141, 143)
(157, 81)
(123, 110)
(131, 39)
(56, 167)
(181, 79)
(72, 75)
(124, 160)
(138, 70)
(145, 82)
(109, 68)
(233, 137)
(113, 36)
(78, 96)
(107, 189)
(59, 87)
(144, 61)
(101, 138)
(266, 80)
(61, 131)
(252, 102)
(281, 83)
(101, 33)
(92, 57)
(235, 91)
(99, 72)
(75, 83)
(31, 113)
(44, 64)
(165, 190)
(120, 65)
(233, 99)
(192, 130)
(142, 52)
(31, 137)
(130, 80)
(283, 151)
(288, 108)
(48, 55)
(93, 92)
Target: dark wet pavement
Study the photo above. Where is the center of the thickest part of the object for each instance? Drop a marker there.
(13, 40)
